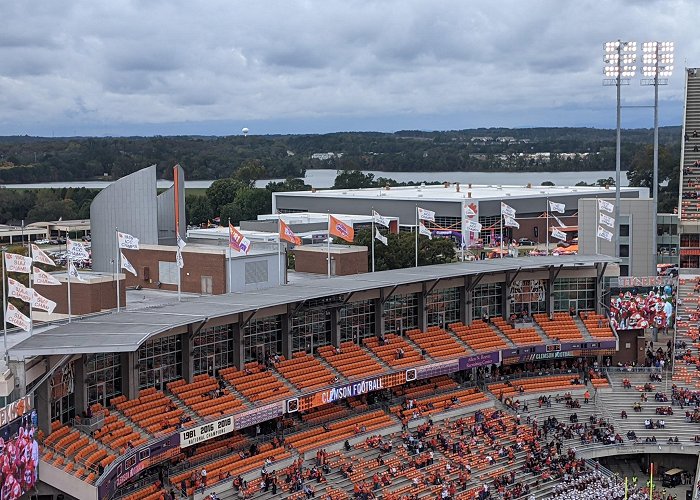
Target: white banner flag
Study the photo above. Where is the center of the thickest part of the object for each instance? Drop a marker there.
(76, 251)
(606, 205)
(127, 241)
(39, 256)
(607, 220)
(424, 214)
(561, 224)
(381, 237)
(15, 263)
(15, 317)
(178, 253)
(510, 222)
(41, 302)
(425, 232)
(557, 207)
(43, 278)
(604, 233)
(507, 210)
(73, 272)
(378, 219)
(473, 226)
(18, 290)
(469, 211)
(558, 234)
(127, 265)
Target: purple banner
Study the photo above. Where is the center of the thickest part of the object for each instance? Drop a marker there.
(479, 360)
(437, 369)
(258, 415)
(129, 466)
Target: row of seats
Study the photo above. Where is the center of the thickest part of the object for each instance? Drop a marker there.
(437, 343)
(443, 402)
(519, 336)
(115, 433)
(305, 372)
(479, 336)
(152, 410)
(324, 413)
(256, 383)
(597, 325)
(441, 383)
(560, 327)
(395, 351)
(535, 384)
(199, 395)
(352, 361)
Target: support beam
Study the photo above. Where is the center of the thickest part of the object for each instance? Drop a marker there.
(600, 278)
(505, 296)
(238, 345)
(464, 301)
(388, 295)
(187, 341)
(422, 309)
(379, 315)
(80, 387)
(287, 332)
(335, 326)
(130, 375)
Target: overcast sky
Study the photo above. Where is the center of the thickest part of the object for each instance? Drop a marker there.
(147, 67)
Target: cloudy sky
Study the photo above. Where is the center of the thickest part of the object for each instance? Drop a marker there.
(147, 67)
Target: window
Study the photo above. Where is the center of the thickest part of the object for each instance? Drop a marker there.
(312, 328)
(528, 296)
(443, 307)
(401, 313)
(262, 336)
(579, 290)
(103, 377)
(624, 230)
(159, 361)
(487, 300)
(62, 386)
(167, 272)
(624, 250)
(357, 321)
(624, 270)
(213, 349)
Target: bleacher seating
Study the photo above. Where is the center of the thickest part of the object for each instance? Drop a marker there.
(443, 402)
(519, 336)
(536, 384)
(597, 325)
(479, 336)
(256, 383)
(437, 343)
(152, 411)
(388, 352)
(561, 327)
(352, 362)
(690, 178)
(304, 371)
(199, 396)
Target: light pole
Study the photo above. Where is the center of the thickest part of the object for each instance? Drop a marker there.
(619, 68)
(657, 62)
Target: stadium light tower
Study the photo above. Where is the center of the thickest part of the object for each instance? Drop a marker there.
(620, 58)
(657, 60)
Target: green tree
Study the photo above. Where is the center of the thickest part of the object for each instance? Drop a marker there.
(289, 184)
(249, 172)
(353, 179)
(253, 202)
(231, 212)
(223, 192)
(400, 253)
(641, 173)
(197, 209)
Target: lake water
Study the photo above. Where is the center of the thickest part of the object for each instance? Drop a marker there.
(324, 178)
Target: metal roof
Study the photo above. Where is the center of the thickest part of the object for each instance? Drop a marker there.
(127, 330)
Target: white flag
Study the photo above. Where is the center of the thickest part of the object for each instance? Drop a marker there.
(424, 214)
(378, 219)
(127, 265)
(381, 237)
(557, 207)
(15, 317)
(607, 220)
(178, 253)
(39, 256)
(606, 205)
(15, 263)
(18, 290)
(43, 278)
(41, 302)
(510, 222)
(76, 251)
(469, 211)
(558, 234)
(561, 224)
(73, 272)
(507, 210)
(127, 241)
(604, 233)
(473, 226)
(425, 231)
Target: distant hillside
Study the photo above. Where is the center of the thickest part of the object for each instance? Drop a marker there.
(36, 159)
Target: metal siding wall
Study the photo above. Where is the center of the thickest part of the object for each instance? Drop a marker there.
(128, 204)
(166, 212)
(238, 278)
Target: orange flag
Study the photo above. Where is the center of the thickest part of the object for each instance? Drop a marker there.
(341, 229)
(287, 234)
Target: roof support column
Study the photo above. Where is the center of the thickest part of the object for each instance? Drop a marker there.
(238, 346)
(549, 293)
(80, 388)
(466, 297)
(335, 326)
(379, 315)
(42, 403)
(422, 309)
(286, 320)
(188, 354)
(505, 296)
(130, 375)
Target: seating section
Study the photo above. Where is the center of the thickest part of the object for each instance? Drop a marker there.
(395, 352)
(116, 434)
(437, 343)
(256, 383)
(433, 385)
(305, 372)
(443, 402)
(152, 411)
(72, 451)
(151, 492)
(352, 362)
(536, 384)
(200, 397)
(479, 336)
(597, 325)
(561, 327)
(519, 336)
(690, 172)
(325, 413)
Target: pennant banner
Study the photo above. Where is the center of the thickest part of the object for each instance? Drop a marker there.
(76, 251)
(469, 211)
(127, 265)
(557, 207)
(604, 233)
(14, 316)
(15, 263)
(236, 240)
(18, 290)
(560, 235)
(473, 226)
(287, 234)
(607, 220)
(340, 229)
(43, 278)
(424, 214)
(41, 302)
(510, 222)
(178, 253)
(38, 255)
(378, 219)
(381, 237)
(507, 210)
(561, 224)
(606, 205)
(73, 272)
(127, 241)
(425, 231)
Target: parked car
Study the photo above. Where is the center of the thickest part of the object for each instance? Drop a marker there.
(526, 242)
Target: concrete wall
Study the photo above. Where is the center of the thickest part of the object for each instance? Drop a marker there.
(86, 298)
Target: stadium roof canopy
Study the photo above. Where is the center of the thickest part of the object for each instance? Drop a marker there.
(127, 330)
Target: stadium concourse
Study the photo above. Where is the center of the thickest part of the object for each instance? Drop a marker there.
(438, 382)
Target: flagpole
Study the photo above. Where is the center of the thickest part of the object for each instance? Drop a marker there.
(69, 304)
(597, 215)
(546, 251)
(31, 297)
(417, 231)
(651, 480)
(179, 273)
(501, 232)
(373, 238)
(328, 241)
(118, 260)
(463, 236)
(4, 302)
(279, 247)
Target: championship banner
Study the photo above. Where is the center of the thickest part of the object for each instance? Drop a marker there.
(73, 272)
(178, 253)
(606, 205)
(607, 220)
(557, 207)
(127, 241)
(560, 235)
(425, 231)
(41, 302)
(18, 290)
(378, 219)
(76, 251)
(43, 278)
(510, 222)
(15, 263)
(469, 211)
(424, 214)
(38, 255)
(15, 317)
(507, 210)
(604, 233)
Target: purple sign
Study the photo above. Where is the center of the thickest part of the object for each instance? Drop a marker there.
(437, 369)
(258, 415)
(478, 360)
